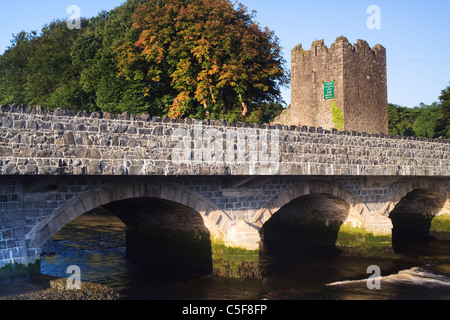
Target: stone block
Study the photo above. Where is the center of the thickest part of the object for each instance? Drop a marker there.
(71, 214)
(5, 152)
(68, 138)
(31, 169)
(192, 202)
(201, 207)
(40, 237)
(81, 152)
(168, 193)
(58, 222)
(94, 167)
(10, 169)
(93, 154)
(215, 217)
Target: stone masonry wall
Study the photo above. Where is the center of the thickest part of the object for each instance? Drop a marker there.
(39, 142)
(365, 102)
(25, 201)
(359, 75)
(310, 69)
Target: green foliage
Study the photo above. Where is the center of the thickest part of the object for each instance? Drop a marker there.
(211, 56)
(423, 120)
(38, 69)
(444, 125)
(189, 58)
(96, 56)
(337, 116)
(13, 68)
(426, 122)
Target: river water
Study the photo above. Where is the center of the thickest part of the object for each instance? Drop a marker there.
(96, 244)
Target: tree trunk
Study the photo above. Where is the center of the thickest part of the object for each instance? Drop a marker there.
(245, 110)
(244, 106)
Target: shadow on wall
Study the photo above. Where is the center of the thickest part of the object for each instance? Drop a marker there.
(165, 233)
(415, 220)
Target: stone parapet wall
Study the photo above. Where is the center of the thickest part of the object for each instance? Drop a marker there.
(36, 141)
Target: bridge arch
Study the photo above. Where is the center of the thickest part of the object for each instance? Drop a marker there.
(417, 184)
(420, 212)
(357, 209)
(315, 218)
(215, 220)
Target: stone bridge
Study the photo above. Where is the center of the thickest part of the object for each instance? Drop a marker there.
(201, 190)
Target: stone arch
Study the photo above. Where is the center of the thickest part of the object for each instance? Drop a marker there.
(357, 208)
(412, 185)
(420, 212)
(215, 219)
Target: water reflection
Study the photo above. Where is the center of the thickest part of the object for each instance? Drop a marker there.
(96, 243)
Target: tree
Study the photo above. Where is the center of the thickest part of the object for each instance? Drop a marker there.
(197, 58)
(394, 119)
(38, 70)
(423, 120)
(401, 120)
(13, 68)
(444, 124)
(427, 121)
(95, 53)
(52, 80)
(208, 58)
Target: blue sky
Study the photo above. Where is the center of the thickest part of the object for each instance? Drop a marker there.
(416, 34)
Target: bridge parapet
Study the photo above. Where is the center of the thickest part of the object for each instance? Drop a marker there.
(36, 141)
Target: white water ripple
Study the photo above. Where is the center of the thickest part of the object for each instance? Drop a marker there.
(413, 276)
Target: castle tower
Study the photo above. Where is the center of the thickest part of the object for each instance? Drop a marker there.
(353, 76)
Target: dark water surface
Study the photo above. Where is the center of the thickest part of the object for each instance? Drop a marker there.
(96, 244)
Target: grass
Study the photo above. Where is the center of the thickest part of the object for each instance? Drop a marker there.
(235, 262)
(440, 224)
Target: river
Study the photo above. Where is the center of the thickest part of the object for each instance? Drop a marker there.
(96, 244)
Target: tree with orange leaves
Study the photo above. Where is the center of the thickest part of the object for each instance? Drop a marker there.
(210, 56)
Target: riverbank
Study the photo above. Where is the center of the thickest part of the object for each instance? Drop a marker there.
(51, 288)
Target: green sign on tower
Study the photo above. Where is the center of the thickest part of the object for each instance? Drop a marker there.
(328, 90)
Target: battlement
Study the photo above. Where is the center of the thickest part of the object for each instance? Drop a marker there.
(341, 43)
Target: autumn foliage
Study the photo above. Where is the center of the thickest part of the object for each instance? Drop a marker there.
(177, 58)
(215, 58)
